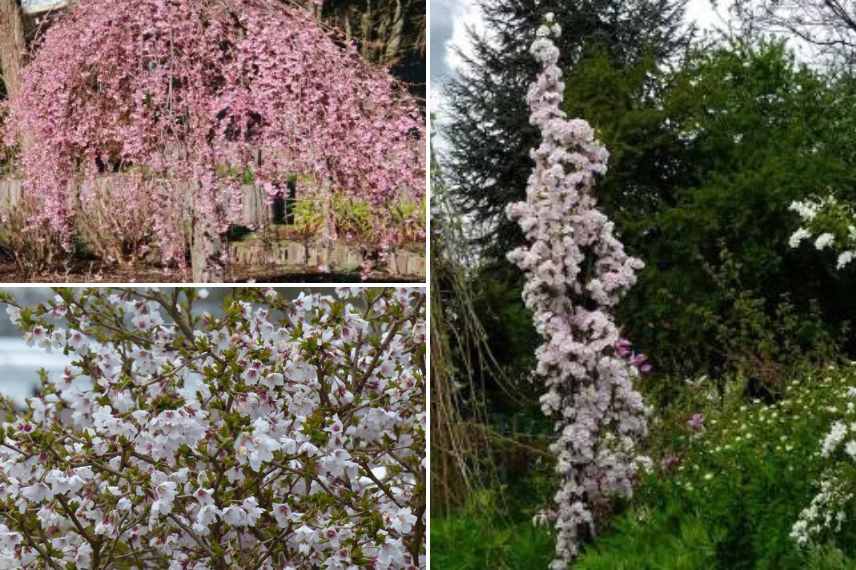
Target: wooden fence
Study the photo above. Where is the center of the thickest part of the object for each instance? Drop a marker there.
(258, 255)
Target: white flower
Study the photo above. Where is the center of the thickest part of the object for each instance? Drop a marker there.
(798, 236)
(206, 516)
(235, 516)
(14, 314)
(824, 240)
(834, 438)
(282, 514)
(166, 492)
(36, 493)
(77, 341)
(253, 511)
(403, 521)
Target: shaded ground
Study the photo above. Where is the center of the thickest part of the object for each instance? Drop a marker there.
(92, 272)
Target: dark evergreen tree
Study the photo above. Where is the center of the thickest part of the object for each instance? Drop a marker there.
(487, 126)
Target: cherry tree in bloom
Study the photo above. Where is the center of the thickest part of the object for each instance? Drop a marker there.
(205, 95)
(576, 272)
(284, 434)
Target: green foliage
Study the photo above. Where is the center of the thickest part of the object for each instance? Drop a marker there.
(733, 491)
(829, 558)
(361, 220)
(353, 216)
(659, 541)
(308, 218)
(477, 537)
(755, 132)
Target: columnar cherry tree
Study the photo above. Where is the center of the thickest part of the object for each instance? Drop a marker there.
(576, 272)
(283, 434)
(209, 94)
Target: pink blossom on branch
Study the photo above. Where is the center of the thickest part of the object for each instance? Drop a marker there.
(576, 272)
(194, 92)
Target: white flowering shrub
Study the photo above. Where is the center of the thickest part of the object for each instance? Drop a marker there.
(283, 434)
(833, 506)
(576, 272)
(828, 224)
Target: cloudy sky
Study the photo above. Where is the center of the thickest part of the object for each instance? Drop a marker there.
(450, 19)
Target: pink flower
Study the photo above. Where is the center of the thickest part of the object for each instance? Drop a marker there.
(623, 347)
(696, 422)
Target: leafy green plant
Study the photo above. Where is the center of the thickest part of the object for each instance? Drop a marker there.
(478, 537)
(743, 474)
(354, 217)
(308, 217)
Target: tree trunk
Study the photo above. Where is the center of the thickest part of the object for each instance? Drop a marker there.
(328, 234)
(396, 33)
(207, 251)
(13, 46)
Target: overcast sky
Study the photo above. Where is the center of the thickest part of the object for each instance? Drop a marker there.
(450, 19)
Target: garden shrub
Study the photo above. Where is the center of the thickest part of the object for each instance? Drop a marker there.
(742, 470)
(34, 248)
(284, 434)
(118, 226)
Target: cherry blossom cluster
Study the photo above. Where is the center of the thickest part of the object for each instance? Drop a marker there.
(828, 224)
(209, 94)
(576, 272)
(283, 434)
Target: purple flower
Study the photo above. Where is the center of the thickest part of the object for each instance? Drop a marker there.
(669, 462)
(638, 360)
(696, 422)
(622, 348)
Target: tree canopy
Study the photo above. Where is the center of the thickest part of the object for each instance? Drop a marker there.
(198, 92)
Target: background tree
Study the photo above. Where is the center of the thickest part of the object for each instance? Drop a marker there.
(486, 125)
(750, 132)
(829, 25)
(388, 32)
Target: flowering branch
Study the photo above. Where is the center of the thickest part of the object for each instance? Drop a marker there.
(196, 442)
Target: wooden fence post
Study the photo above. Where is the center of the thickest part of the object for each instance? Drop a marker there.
(207, 249)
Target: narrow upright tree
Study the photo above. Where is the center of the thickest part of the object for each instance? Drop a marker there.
(576, 272)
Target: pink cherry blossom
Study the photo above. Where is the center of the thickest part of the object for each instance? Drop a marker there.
(185, 96)
(576, 272)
